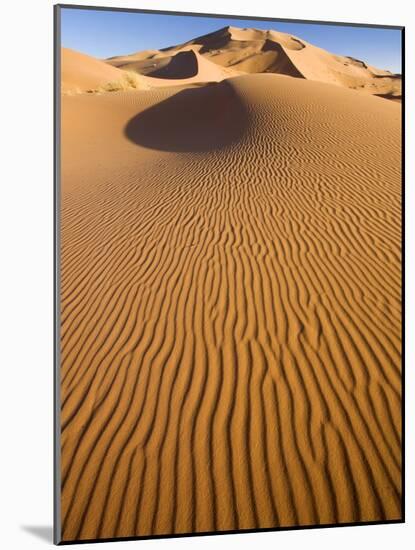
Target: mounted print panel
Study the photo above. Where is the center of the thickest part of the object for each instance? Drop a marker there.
(229, 274)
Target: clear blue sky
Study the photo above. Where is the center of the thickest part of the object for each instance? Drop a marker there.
(108, 33)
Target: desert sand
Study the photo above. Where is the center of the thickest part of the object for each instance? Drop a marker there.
(257, 51)
(230, 298)
(80, 72)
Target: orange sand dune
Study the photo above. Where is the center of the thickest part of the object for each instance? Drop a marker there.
(82, 72)
(259, 51)
(231, 325)
(184, 67)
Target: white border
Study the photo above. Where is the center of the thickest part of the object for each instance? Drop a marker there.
(26, 312)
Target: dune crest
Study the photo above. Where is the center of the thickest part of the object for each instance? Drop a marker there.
(257, 51)
(185, 67)
(84, 73)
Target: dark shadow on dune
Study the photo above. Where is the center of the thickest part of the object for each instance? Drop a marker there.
(182, 65)
(300, 45)
(281, 63)
(391, 75)
(43, 532)
(193, 120)
(391, 96)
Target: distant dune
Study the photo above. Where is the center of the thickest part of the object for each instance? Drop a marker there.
(231, 292)
(228, 52)
(185, 67)
(257, 51)
(83, 73)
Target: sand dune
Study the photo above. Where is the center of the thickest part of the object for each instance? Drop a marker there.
(258, 51)
(80, 72)
(230, 304)
(184, 67)
(83, 73)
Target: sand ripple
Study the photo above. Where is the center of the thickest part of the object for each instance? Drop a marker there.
(231, 325)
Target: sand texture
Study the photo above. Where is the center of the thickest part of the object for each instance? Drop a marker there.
(230, 302)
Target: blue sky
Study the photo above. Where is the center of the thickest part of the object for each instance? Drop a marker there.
(108, 33)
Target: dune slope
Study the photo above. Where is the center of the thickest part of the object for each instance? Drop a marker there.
(263, 51)
(181, 68)
(230, 308)
(82, 72)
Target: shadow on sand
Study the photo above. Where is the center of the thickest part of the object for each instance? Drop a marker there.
(198, 119)
(182, 65)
